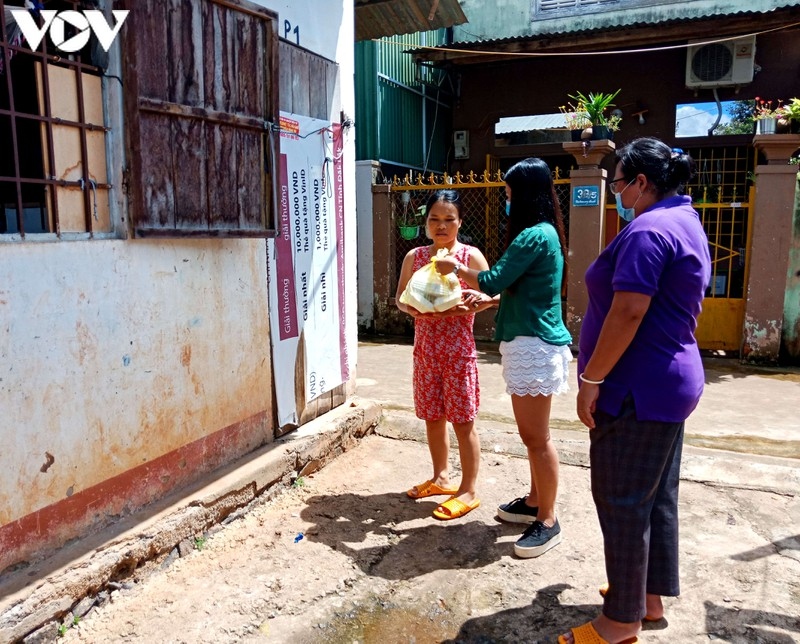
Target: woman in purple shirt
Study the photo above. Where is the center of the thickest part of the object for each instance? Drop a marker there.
(640, 377)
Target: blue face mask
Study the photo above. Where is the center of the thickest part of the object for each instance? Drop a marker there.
(628, 214)
(508, 208)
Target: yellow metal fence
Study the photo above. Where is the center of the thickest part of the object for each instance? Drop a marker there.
(483, 196)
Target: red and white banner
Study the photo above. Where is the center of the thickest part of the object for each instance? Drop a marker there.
(305, 265)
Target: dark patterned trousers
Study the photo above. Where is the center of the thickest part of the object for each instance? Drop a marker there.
(635, 471)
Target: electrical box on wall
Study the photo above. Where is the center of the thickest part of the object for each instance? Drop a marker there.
(461, 144)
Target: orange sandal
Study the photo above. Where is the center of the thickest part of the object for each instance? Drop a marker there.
(429, 488)
(604, 589)
(453, 509)
(587, 634)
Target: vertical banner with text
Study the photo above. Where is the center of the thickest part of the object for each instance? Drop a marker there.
(305, 267)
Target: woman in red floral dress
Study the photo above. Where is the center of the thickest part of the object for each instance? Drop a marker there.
(445, 362)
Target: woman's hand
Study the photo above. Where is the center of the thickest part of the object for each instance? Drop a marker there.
(475, 300)
(587, 403)
(445, 265)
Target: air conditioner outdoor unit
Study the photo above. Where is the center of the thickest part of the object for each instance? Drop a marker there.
(721, 64)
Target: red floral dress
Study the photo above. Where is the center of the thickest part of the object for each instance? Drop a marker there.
(445, 359)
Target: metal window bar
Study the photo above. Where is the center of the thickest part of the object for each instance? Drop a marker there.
(15, 116)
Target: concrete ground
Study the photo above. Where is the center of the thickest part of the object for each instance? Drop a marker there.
(752, 410)
(343, 556)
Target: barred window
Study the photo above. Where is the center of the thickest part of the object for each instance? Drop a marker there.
(200, 92)
(52, 136)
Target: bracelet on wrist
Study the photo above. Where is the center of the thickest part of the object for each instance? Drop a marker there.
(590, 382)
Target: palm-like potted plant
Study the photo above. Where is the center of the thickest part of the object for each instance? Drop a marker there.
(596, 104)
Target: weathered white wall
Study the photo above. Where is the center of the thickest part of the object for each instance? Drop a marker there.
(113, 353)
(317, 25)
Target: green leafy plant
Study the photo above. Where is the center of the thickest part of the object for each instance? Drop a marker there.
(791, 110)
(299, 482)
(595, 104)
(63, 628)
(613, 122)
(742, 119)
(200, 543)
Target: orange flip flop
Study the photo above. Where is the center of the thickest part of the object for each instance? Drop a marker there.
(604, 589)
(587, 634)
(453, 509)
(429, 488)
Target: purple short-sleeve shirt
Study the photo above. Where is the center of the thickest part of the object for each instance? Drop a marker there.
(662, 253)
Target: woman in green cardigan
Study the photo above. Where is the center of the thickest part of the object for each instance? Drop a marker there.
(534, 342)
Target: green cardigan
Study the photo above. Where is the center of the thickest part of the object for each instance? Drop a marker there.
(533, 266)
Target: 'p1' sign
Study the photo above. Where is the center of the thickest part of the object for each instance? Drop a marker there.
(84, 22)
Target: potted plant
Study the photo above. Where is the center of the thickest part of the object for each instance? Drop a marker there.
(409, 221)
(766, 116)
(596, 104)
(789, 116)
(576, 118)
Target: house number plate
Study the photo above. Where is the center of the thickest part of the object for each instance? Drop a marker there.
(585, 195)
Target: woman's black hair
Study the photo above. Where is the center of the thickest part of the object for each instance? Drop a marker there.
(533, 200)
(448, 196)
(668, 169)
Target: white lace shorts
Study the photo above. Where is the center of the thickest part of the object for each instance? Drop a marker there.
(531, 367)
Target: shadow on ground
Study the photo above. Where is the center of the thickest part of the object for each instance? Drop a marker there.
(543, 620)
(742, 626)
(391, 536)
(774, 548)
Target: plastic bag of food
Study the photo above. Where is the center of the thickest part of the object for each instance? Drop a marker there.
(428, 291)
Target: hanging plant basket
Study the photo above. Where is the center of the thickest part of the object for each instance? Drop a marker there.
(409, 232)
